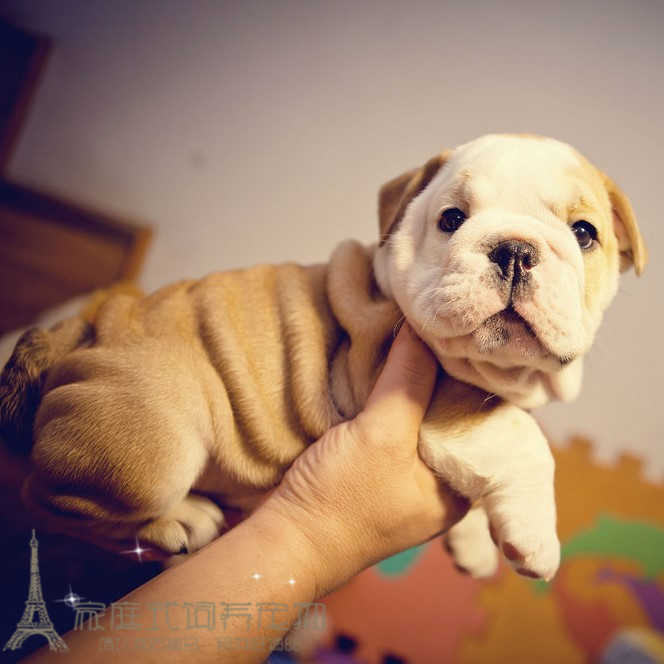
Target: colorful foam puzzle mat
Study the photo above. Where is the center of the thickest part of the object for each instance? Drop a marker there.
(606, 604)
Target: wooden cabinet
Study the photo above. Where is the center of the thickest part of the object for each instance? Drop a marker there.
(52, 250)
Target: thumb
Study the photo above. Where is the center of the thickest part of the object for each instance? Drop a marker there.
(403, 390)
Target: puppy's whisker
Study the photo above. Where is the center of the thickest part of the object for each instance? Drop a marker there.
(606, 326)
(424, 325)
(434, 289)
(436, 313)
(397, 327)
(600, 342)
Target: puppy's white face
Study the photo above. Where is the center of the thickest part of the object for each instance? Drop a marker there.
(505, 263)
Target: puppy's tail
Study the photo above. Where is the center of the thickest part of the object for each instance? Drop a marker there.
(23, 377)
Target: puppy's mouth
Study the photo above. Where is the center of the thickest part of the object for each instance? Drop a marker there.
(510, 317)
(507, 328)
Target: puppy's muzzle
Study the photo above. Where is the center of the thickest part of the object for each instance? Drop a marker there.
(514, 260)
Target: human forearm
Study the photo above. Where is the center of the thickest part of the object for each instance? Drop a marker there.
(259, 577)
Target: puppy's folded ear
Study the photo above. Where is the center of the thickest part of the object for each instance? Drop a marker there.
(633, 251)
(395, 195)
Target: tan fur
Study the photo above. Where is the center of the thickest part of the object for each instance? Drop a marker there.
(192, 372)
(633, 250)
(396, 194)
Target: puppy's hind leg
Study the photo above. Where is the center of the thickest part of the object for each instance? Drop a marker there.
(111, 469)
(471, 546)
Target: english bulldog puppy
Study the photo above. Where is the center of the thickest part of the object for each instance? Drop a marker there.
(502, 254)
(504, 262)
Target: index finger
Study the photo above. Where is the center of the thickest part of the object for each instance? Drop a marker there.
(404, 388)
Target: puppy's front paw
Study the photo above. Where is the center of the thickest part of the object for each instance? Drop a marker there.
(471, 546)
(187, 527)
(527, 538)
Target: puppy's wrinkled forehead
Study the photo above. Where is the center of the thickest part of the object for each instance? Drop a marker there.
(526, 176)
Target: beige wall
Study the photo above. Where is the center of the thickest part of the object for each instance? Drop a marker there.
(260, 131)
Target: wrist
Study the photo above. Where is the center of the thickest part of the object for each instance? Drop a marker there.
(318, 545)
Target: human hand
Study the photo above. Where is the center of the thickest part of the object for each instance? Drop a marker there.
(361, 493)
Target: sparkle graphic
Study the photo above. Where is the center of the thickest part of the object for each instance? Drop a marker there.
(71, 599)
(256, 576)
(292, 582)
(138, 551)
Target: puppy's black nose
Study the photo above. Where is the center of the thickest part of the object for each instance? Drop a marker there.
(514, 259)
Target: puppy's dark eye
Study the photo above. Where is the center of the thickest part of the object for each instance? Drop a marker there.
(586, 234)
(451, 219)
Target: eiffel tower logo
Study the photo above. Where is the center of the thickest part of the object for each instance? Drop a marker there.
(35, 606)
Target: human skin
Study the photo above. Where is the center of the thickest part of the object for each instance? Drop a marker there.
(356, 496)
